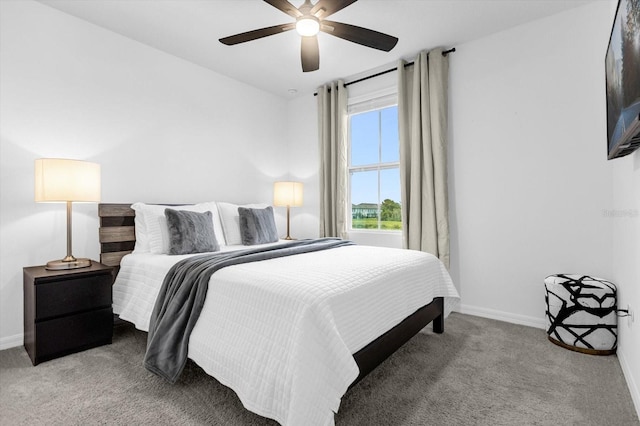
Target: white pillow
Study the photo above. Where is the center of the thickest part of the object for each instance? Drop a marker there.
(142, 239)
(230, 219)
(155, 231)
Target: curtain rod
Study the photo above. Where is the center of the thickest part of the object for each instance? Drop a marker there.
(445, 53)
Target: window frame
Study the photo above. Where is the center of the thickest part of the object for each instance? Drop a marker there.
(374, 102)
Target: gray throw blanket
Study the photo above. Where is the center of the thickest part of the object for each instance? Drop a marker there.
(182, 296)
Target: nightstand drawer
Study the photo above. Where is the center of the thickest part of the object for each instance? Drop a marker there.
(73, 295)
(61, 336)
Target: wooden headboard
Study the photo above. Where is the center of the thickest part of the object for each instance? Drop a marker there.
(117, 233)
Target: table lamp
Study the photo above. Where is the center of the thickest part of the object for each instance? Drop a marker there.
(67, 181)
(287, 194)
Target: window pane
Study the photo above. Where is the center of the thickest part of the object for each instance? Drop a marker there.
(390, 209)
(389, 134)
(364, 138)
(364, 200)
(373, 144)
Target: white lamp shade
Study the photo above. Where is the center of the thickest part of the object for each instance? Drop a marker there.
(60, 180)
(287, 194)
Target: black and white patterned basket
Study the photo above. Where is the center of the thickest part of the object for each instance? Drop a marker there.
(581, 313)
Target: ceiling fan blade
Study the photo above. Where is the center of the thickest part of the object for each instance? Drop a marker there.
(256, 34)
(363, 36)
(310, 54)
(329, 7)
(286, 7)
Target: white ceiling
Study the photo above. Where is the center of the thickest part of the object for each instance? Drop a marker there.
(190, 29)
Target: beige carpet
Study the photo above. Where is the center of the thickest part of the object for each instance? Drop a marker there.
(479, 372)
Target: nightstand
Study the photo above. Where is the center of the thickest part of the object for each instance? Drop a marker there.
(66, 311)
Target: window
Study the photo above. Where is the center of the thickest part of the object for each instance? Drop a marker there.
(374, 166)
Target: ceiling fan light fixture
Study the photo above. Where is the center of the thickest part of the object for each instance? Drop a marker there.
(308, 26)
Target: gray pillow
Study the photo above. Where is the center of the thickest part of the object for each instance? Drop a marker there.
(190, 232)
(257, 226)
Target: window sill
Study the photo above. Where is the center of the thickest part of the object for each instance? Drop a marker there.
(374, 231)
(375, 237)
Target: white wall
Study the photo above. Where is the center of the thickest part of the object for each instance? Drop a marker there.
(302, 156)
(529, 175)
(625, 215)
(163, 129)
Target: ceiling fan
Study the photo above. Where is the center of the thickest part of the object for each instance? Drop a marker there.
(310, 19)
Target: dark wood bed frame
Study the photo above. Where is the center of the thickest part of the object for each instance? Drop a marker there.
(117, 239)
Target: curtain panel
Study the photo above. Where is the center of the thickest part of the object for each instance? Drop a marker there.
(332, 134)
(422, 118)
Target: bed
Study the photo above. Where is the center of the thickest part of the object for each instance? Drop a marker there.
(289, 335)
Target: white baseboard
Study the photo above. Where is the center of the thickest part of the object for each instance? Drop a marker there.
(11, 341)
(503, 316)
(631, 383)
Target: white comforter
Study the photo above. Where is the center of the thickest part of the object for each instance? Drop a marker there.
(281, 332)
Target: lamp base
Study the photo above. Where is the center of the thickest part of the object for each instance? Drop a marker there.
(61, 265)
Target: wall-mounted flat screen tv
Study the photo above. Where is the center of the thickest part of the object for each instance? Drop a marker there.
(623, 81)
